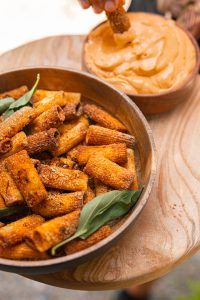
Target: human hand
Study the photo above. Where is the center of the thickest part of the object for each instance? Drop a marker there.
(101, 5)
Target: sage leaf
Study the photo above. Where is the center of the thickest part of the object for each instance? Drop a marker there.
(8, 113)
(10, 211)
(101, 210)
(5, 103)
(25, 99)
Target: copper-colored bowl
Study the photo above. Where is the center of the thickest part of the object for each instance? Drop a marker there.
(119, 105)
(158, 103)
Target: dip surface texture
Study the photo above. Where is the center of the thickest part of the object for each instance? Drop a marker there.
(160, 57)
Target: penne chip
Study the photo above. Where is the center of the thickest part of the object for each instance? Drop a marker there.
(115, 152)
(78, 244)
(70, 139)
(72, 98)
(73, 152)
(67, 126)
(8, 189)
(108, 172)
(2, 204)
(41, 94)
(130, 165)
(28, 237)
(5, 146)
(64, 179)
(89, 195)
(16, 122)
(67, 96)
(100, 187)
(70, 111)
(54, 231)
(16, 93)
(59, 204)
(118, 20)
(103, 118)
(62, 162)
(59, 98)
(14, 232)
(97, 135)
(36, 162)
(66, 162)
(26, 178)
(18, 142)
(52, 118)
(42, 141)
(22, 252)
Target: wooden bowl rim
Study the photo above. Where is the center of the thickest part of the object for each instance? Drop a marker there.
(167, 92)
(18, 266)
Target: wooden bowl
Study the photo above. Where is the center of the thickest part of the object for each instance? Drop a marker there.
(119, 105)
(158, 103)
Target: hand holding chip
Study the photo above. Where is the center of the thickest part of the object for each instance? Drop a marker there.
(101, 5)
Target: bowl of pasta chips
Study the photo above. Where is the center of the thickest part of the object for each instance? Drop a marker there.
(77, 164)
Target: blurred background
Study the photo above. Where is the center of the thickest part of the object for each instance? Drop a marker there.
(22, 21)
(29, 20)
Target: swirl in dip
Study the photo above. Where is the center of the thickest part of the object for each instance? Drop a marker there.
(160, 56)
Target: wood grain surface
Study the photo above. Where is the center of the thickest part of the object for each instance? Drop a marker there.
(168, 231)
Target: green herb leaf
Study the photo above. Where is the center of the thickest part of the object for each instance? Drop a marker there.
(25, 99)
(8, 113)
(22, 101)
(101, 210)
(10, 211)
(5, 103)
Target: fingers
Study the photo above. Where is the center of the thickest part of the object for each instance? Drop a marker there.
(112, 5)
(84, 3)
(98, 6)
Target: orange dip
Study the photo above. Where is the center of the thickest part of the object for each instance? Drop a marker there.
(159, 57)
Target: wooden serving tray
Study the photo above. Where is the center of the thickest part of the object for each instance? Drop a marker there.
(168, 230)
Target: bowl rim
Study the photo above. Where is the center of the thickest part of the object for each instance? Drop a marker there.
(168, 92)
(26, 266)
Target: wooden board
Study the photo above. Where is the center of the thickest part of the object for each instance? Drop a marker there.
(168, 230)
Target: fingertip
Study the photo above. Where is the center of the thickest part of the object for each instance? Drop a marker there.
(98, 6)
(97, 9)
(110, 6)
(84, 3)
